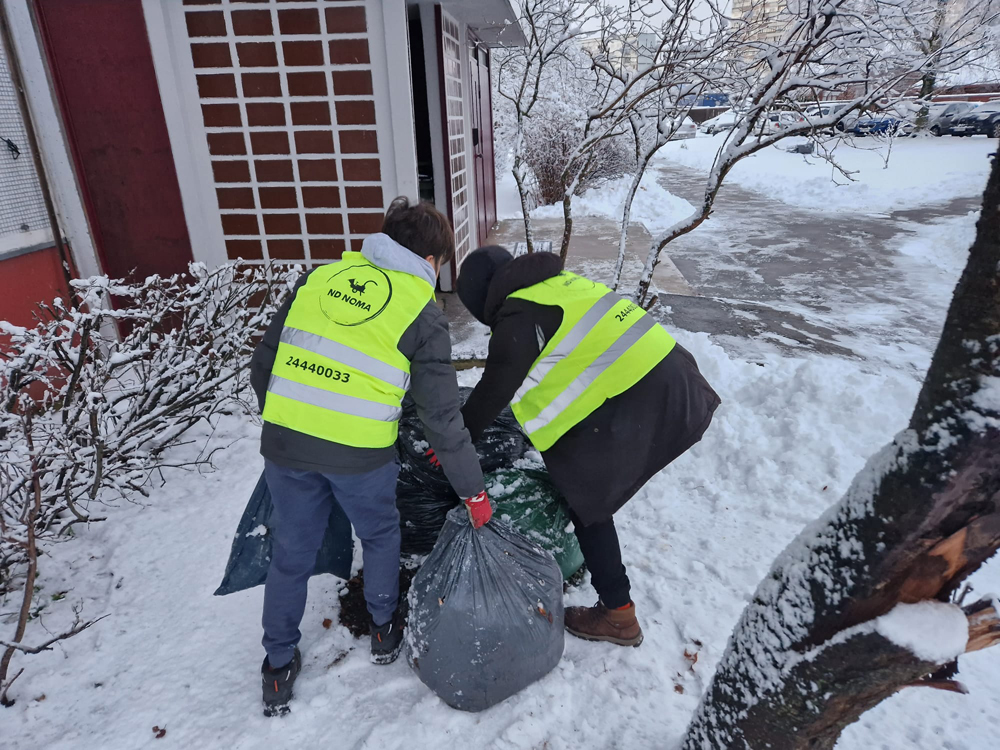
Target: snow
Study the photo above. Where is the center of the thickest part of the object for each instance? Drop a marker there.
(653, 205)
(987, 397)
(933, 631)
(943, 245)
(919, 171)
(793, 432)
(789, 438)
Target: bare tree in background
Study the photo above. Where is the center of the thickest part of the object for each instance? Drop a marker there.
(858, 51)
(821, 643)
(523, 72)
(676, 53)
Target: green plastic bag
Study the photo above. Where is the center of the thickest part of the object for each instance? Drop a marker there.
(527, 499)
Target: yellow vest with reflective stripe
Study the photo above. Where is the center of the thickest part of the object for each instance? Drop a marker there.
(604, 345)
(338, 374)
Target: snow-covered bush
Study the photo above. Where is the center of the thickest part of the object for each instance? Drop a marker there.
(556, 125)
(551, 142)
(94, 395)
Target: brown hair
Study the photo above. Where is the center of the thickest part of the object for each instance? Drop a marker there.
(420, 228)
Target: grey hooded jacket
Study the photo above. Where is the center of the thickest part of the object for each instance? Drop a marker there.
(433, 388)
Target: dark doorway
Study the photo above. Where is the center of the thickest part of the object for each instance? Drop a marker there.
(421, 115)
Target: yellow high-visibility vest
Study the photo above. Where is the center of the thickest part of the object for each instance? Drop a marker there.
(604, 345)
(339, 374)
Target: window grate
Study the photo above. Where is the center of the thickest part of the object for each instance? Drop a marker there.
(23, 219)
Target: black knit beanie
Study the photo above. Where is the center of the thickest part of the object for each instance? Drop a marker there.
(475, 276)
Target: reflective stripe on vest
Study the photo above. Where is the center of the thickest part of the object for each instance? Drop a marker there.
(352, 405)
(351, 357)
(338, 374)
(604, 346)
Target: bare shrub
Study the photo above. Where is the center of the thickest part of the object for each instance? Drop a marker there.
(96, 393)
(549, 145)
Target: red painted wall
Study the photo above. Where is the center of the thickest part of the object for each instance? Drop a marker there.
(27, 280)
(103, 72)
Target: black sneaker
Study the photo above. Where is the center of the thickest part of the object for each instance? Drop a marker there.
(387, 640)
(277, 684)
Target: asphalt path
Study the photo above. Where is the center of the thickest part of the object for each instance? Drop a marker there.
(765, 271)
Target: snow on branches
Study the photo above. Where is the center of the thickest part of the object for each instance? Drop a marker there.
(599, 75)
(94, 395)
(864, 54)
(864, 601)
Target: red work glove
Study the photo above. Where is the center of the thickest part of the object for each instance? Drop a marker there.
(433, 459)
(479, 509)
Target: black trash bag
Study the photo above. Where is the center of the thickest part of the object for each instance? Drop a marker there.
(423, 493)
(486, 614)
(250, 556)
(421, 515)
(498, 447)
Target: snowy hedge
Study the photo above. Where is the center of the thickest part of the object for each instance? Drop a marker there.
(95, 393)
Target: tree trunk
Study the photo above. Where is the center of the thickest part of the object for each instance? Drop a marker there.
(522, 191)
(567, 226)
(633, 188)
(805, 660)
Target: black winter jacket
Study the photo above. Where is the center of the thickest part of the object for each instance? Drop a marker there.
(604, 460)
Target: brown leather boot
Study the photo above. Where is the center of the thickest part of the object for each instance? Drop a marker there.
(598, 623)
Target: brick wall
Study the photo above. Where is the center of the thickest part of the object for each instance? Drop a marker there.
(288, 106)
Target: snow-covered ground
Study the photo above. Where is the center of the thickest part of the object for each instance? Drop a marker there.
(789, 437)
(653, 205)
(793, 430)
(884, 177)
(698, 538)
(912, 173)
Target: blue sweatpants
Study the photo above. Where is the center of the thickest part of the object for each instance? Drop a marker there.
(302, 501)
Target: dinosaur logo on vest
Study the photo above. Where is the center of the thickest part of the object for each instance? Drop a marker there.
(355, 294)
(360, 288)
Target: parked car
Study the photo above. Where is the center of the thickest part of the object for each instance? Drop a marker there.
(834, 108)
(792, 119)
(719, 123)
(884, 123)
(848, 121)
(770, 125)
(687, 129)
(778, 121)
(941, 115)
(983, 120)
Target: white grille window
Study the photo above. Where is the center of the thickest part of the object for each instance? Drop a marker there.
(288, 105)
(455, 109)
(24, 222)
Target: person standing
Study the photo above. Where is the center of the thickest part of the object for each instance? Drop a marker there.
(330, 375)
(602, 391)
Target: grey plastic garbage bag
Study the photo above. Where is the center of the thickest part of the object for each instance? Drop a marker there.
(486, 614)
(250, 555)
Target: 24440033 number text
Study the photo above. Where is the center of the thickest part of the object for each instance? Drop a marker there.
(632, 307)
(326, 372)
